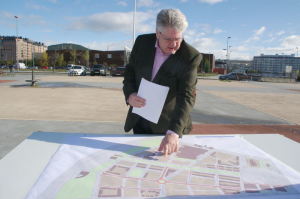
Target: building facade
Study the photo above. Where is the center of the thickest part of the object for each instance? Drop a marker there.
(71, 54)
(75, 54)
(109, 58)
(227, 66)
(13, 49)
(276, 64)
(207, 64)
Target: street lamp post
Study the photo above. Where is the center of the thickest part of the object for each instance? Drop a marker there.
(133, 31)
(17, 58)
(32, 72)
(227, 54)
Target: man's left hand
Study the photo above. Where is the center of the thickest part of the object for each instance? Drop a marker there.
(169, 144)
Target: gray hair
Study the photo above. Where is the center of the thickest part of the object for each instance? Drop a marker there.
(172, 18)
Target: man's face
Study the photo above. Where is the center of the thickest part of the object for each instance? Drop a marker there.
(169, 40)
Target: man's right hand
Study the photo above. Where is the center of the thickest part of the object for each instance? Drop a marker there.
(136, 101)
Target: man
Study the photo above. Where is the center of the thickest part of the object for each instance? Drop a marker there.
(165, 59)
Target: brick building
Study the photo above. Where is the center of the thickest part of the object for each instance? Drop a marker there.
(107, 58)
(18, 48)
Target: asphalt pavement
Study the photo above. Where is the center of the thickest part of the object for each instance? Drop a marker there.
(96, 105)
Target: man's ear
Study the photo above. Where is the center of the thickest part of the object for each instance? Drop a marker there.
(157, 34)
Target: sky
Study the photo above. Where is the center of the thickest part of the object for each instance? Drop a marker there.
(251, 27)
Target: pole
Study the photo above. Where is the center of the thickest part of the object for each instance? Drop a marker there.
(17, 34)
(134, 13)
(227, 54)
(27, 53)
(54, 60)
(32, 73)
(210, 62)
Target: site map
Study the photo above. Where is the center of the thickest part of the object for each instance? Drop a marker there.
(204, 166)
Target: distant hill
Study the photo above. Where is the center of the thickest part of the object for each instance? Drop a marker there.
(67, 46)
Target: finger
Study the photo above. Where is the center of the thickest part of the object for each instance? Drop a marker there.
(140, 99)
(177, 147)
(138, 104)
(141, 102)
(162, 145)
(170, 148)
(166, 151)
(173, 149)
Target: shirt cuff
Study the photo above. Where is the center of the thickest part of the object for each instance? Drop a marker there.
(171, 132)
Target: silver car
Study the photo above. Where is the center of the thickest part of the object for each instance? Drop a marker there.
(77, 70)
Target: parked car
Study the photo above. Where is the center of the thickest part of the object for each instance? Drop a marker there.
(44, 67)
(59, 67)
(20, 65)
(32, 67)
(118, 71)
(87, 70)
(69, 66)
(77, 70)
(99, 69)
(234, 76)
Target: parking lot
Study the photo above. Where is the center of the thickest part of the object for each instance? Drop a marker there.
(95, 104)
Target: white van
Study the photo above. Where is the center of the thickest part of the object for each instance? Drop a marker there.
(20, 66)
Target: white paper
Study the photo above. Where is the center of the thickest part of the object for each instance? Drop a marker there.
(155, 96)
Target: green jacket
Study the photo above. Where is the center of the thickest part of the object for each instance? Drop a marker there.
(178, 72)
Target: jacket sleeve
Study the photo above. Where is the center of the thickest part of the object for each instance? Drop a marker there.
(185, 96)
(129, 82)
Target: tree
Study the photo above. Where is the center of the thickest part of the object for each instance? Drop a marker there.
(86, 57)
(207, 68)
(44, 59)
(60, 60)
(52, 59)
(9, 62)
(73, 56)
(95, 62)
(34, 61)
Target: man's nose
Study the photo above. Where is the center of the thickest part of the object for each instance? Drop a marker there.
(173, 43)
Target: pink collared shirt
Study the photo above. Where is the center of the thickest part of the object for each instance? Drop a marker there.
(159, 59)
